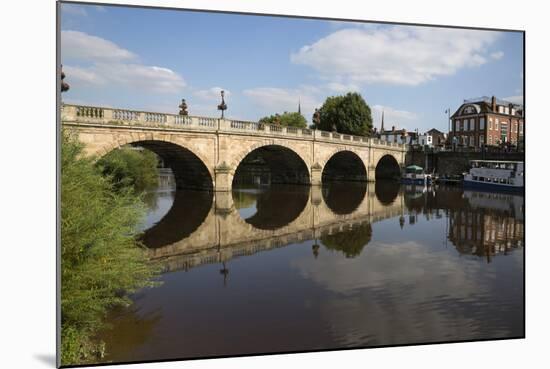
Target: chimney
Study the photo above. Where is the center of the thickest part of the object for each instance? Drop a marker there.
(493, 104)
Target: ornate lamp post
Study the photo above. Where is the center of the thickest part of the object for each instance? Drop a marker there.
(183, 107)
(64, 85)
(316, 118)
(223, 105)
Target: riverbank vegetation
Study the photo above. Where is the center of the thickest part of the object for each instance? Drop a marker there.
(102, 261)
(131, 167)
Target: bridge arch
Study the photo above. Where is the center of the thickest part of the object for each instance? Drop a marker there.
(277, 163)
(387, 167)
(190, 170)
(344, 165)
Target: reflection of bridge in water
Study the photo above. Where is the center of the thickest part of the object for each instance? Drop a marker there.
(223, 234)
(203, 227)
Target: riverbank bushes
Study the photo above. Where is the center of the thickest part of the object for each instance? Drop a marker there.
(101, 259)
(129, 167)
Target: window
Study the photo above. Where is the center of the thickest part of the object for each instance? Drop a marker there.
(513, 112)
(481, 141)
(457, 124)
(490, 124)
(472, 125)
(496, 124)
(521, 127)
(506, 110)
(490, 140)
(461, 125)
(501, 109)
(504, 132)
(481, 123)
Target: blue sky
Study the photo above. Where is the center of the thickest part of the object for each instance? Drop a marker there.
(149, 59)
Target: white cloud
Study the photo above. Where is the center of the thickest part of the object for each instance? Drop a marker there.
(392, 117)
(213, 93)
(150, 78)
(108, 64)
(514, 99)
(82, 46)
(273, 100)
(497, 55)
(342, 87)
(395, 55)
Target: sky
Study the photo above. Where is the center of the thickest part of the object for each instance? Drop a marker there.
(149, 59)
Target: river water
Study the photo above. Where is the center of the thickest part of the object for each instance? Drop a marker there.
(283, 268)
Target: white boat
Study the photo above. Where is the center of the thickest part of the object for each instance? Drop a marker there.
(495, 175)
(415, 174)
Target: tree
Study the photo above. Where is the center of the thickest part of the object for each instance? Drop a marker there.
(348, 114)
(286, 119)
(128, 167)
(101, 260)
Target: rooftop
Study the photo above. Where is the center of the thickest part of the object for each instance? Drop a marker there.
(487, 99)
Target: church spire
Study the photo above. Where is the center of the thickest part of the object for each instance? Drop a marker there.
(382, 125)
(299, 107)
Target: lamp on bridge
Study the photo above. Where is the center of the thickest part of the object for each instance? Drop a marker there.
(223, 105)
(316, 118)
(64, 85)
(183, 107)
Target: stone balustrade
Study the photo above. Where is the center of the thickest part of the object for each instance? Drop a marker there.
(109, 116)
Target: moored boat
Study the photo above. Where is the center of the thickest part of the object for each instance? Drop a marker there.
(496, 175)
(415, 174)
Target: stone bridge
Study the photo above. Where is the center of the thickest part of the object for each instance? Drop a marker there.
(207, 153)
(224, 234)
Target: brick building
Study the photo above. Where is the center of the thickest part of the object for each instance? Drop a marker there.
(487, 121)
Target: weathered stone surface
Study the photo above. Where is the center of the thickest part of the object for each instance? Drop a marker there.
(214, 148)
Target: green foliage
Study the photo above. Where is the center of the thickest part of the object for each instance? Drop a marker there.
(286, 119)
(101, 260)
(131, 168)
(351, 242)
(348, 114)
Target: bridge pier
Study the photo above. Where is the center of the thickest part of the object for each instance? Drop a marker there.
(316, 175)
(223, 180)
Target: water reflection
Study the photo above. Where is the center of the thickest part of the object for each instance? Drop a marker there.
(271, 207)
(294, 272)
(349, 241)
(188, 211)
(344, 198)
(386, 190)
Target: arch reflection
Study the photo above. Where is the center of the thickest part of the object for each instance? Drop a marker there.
(386, 191)
(344, 198)
(272, 207)
(189, 210)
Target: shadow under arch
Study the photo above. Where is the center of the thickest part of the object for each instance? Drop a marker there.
(188, 212)
(271, 164)
(386, 190)
(344, 166)
(276, 205)
(343, 198)
(387, 168)
(189, 170)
